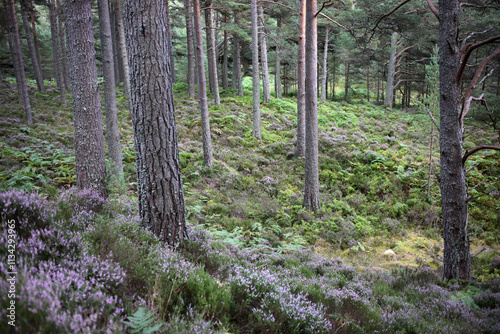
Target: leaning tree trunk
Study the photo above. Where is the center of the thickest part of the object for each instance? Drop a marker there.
(37, 69)
(277, 75)
(55, 52)
(191, 80)
(211, 53)
(325, 65)
(237, 84)
(263, 59)
(90, 161)
(161, 198)
(457, 261)
(311, 183)
(123, 48)
(301, 76)
(256, 129)
(112, 131)
(202, 88)
(225, 76)
(17, 55)
(391, 71)
(64, 62)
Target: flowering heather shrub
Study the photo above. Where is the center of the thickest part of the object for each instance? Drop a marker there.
(73, 200)
(190, 323)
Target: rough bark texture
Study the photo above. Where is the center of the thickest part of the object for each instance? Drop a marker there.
(19, 69)
(263, 59)
(453, 187)
(225, 76)
(35, 39)
(325, 65)
(13, 54)
(301, 76)
(277, 75)
(208, 160)
(237, 84)
(191, 80)
(170, 45)
(123, 48)
(64, 61)
(55, 52)
(161, 197)
(37, 69)
(90, 160)
(112, 131)
(391, 71)
(311, 183)
(257, 127)
(116, 50)
(211, 53)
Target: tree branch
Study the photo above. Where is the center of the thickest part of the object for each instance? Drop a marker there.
(326, 4)
(478, 148)
(387, 14)
(467, 50)
(433, 9)
(432, 118)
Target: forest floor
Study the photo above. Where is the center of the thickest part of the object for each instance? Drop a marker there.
(369, 261)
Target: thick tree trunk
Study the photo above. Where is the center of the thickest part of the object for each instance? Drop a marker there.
(311, 183)
(277, 75)
(17, 55)
(225, 76)
(90, 159)
(37, 69)
(301, 77)
(325, 65)
(453, 187)
(191, 80)
(170, 45)
(263, 59)
(161, 197)
(237, 83)
(391, 71)
(123, 48)
(112, 131)
(211, 53)
(208, 160)
(257, 127)
(64, 62)
(55, 52)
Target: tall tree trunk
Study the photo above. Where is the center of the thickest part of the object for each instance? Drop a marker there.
(311, 183)
(301, 77)
(263, 59)
(325, 65)
(346, 86)
(368, 81)
(209, 41)
(257, 127)
(334, 68)
(170, 45)
(212, 56)
(378, 87)
(237, 83)
(116, 52)
(90, 159)
(112, 131)
(277, 75)
(35, 39)
(13, 52)
(391, 71)
(17, 55)
(191, 80)
(55, 51)
(225, 76)
(123, 48)
(161, 197)
(202, 88)
(64, 61)
(453, 187)
(37, 69)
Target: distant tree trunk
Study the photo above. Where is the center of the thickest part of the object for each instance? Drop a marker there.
(391, 71)
(368, 81)
(123, 48)
(334, 78)
(311, 184)
(161, 197)
(457, 261)
(225, 76)
(301, 77)
(116, 49)
(17, 55)
(208, 29)
(13, 54)
(170, 45)
(277, 75)
(263, 59)
(112, 131)
(378, 88)
(64, 61)
(202, 88)
(257, 127)
(55, 51)
(90, 160)
(325, 65)
(37, 69)
(191, 80)
(346, 86)
(236, 78)
(35, 39)
(211, 53)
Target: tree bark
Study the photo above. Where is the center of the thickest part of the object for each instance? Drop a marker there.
(211, 53)
(123, 48)
(277, 75)
(391, 71)
(161, 197)
(112, 131)
(257, 127)
(237, 84)
(263, 59)
(202, 88)
(55, 52)
(301, 76)
(64, 62)
(17, 55)
(90, 159)
(346, 85)
(368, 81)
(170, 45)
(311, 184)
(13, 54)
(225, 76)
(453, 187)
(35, 39)
(191, 80)
(325, 65)
(116, 50)
(37, 69)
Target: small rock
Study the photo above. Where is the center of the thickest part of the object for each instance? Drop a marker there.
(389, 252)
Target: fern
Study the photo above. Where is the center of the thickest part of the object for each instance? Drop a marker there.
(140, 322)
